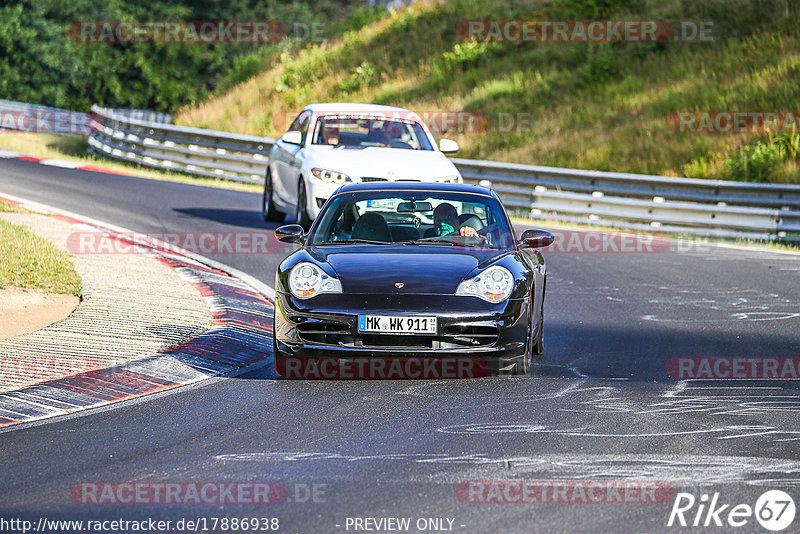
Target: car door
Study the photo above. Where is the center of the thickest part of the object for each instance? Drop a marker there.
(286, 162)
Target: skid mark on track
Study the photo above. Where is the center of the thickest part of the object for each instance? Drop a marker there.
(716, 400)
(718, 305)
(679, 469)
(690, 304)
(722, 432)
(677, 408)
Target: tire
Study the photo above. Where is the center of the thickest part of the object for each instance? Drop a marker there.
(521, 363)
(538, 346)
(278, 357)
(268, 211)
(523, 366)
(302, 213)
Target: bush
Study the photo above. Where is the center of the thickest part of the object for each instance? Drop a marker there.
(758, 162)
(42, 65)
(360, 77)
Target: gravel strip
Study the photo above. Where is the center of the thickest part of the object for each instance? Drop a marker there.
(133, 306)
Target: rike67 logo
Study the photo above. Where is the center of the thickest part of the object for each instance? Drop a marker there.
(774, 510)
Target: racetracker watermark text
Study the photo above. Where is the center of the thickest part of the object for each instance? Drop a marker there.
(164, 31)
(59, 122)
(382, 368)
(204, 493)
(30, 369)
(584, 31)
(439, 121)
(733, 368)
(734, 122)
(197, 242)
(564, 492)
(565, 31)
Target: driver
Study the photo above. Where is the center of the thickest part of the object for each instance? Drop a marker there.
(393, 133)
(445, 222)
(386, 134)
(330, 134)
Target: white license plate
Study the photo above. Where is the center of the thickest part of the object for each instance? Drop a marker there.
(397, 324)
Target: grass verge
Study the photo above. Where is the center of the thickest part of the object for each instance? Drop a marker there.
(28, 261)
(7, 207)
(584, 105)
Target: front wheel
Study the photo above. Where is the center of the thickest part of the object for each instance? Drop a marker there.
(268, 211)
(523, 366)
(538, 346)
(278, 356)
(302, 211)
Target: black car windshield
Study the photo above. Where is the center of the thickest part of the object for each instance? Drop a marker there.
(370, 132)
(414, 218)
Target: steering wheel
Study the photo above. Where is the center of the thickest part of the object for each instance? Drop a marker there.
(486, 233)
(479, 237)
(396, 143)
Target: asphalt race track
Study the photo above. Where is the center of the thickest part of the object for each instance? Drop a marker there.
(599, 404)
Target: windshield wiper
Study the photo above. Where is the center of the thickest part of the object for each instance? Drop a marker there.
(428, 242)
(353, 242)
(445, 242)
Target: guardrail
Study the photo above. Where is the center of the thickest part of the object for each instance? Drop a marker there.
(704, 207)
(684, 205)
(22, 117)
(197, 151)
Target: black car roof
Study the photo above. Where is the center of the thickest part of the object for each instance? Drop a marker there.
(415, 186)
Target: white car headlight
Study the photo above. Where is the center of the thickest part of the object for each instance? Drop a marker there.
(492, 285)
(306, 280)
(332, 177)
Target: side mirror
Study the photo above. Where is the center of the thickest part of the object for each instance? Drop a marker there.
(448, 146)
(291, 233)
(536, 239)
(293, 137)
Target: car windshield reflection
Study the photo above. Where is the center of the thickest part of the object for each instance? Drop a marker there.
(424, 219)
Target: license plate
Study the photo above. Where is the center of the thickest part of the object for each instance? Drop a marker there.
(397, 324)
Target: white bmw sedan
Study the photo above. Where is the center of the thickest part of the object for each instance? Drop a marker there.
(329, 145)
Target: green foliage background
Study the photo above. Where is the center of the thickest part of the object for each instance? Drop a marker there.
(40, 64)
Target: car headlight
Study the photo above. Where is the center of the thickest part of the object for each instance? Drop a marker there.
(332, 177)
(448, 180)
(306, 280)
(493, 285)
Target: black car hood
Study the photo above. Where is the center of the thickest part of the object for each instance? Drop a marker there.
(427, 269)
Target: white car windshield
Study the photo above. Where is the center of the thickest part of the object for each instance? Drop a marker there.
(365, 132)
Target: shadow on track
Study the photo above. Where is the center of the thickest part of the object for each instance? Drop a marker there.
(233, 217)
(642, 354)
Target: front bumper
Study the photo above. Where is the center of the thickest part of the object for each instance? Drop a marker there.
(327, 325)
(317, 193)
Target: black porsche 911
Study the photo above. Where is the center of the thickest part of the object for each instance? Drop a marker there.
(416, 273)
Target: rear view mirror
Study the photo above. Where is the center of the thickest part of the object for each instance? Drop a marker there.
(291, 233)
(536, 239)
(293, 137)
(414, 207)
